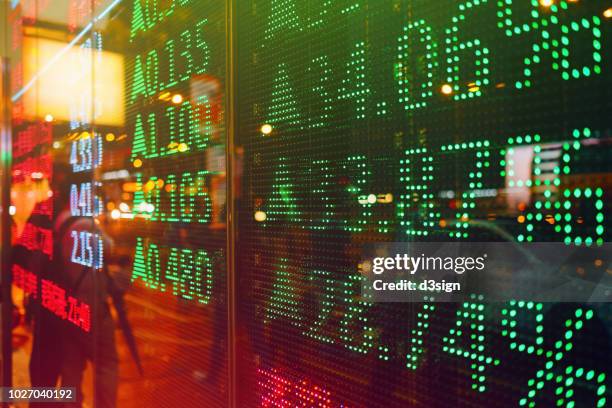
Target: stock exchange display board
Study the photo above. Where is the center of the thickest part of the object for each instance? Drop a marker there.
(353, 122)
(459, 121)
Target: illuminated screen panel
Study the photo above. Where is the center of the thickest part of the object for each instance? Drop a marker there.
(55, 255)
(119, 201)
(368, 121)
(163, 189)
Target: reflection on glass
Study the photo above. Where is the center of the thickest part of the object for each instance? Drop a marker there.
(356, 122)
(118, 200)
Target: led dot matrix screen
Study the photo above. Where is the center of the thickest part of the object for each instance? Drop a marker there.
(352, 122)
(457, 121)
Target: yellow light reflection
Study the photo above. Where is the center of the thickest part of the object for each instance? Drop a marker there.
(66, 90)
(266, 129)
(260, 216)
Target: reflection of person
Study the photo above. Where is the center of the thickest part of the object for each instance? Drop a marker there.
(31, 199)
(60, 349)
(98, 346)
(90, 286)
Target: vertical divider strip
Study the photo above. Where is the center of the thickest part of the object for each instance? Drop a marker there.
(231, 125)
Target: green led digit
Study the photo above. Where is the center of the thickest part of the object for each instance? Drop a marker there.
(147, 267)
(187, 195)
(194, 201)
(202, 284)
(173, 132)
(480, 76)
(512, 28)
(185, 44)
(354, 86)
(139, 270)
(151, 15)
(507, 21)
(416, 210)
(203, 60)
(509, 327)
(204, 205)
(139, 86)
(321, 175)
(353, 318)
(481, 161)
(561, 49)
(321, 73)
(416, 347)
(173, 275)
(152, 73)
(202, 126)
(326, 302)
(470, 330)
(171, 194)
(170, 10)
(187, 128)
(361, 178)
(413, 95)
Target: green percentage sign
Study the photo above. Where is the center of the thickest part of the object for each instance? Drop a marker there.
(556, 371)
(545, 21)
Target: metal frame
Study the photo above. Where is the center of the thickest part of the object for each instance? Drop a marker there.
(5, 224)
